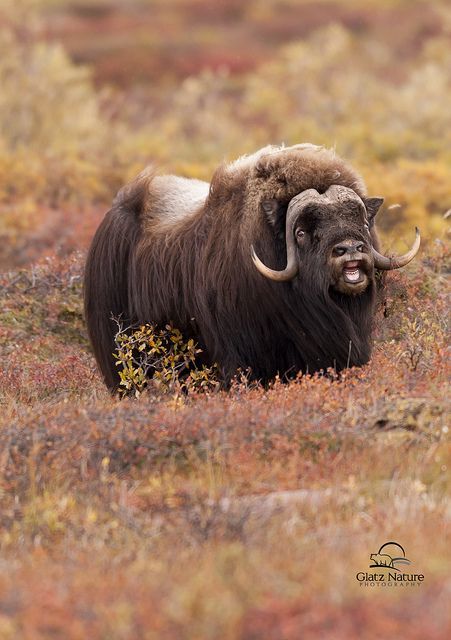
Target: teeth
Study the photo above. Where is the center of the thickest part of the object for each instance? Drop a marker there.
(352, 275)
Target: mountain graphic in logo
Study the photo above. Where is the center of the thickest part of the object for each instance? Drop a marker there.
(389, 556)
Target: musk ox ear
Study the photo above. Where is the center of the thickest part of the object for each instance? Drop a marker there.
(372, 206)
(275, 213)
(270, 208)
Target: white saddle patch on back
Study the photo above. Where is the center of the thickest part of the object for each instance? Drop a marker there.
(178, 197)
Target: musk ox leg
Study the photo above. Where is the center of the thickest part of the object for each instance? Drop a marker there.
(107, 277)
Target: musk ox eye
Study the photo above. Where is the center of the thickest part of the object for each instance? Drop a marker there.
(299, 234)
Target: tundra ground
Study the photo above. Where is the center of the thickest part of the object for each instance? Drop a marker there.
(244, 514)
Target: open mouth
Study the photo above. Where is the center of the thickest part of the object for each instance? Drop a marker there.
(352, 273)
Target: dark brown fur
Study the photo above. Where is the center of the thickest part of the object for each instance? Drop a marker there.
(197, 273)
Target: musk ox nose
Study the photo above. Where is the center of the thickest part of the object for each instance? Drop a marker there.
(348, 247)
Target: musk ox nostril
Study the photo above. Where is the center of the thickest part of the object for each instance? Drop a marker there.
(340, 250)
(348, 247)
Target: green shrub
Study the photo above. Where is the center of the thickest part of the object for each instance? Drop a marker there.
(162, 359)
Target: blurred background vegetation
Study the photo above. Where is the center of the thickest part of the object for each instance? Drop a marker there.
(93, 90)
(243, 514)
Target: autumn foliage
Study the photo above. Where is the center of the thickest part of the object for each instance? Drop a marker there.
(184, 510)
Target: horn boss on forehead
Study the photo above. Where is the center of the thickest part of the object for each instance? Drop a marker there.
(270, 268)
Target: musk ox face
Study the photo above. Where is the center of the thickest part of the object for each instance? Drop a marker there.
(328, 239)
(332, 231)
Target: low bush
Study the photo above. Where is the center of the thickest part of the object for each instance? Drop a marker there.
(159, 358)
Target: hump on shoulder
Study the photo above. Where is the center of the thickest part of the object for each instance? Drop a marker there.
(240, 174)
(271, 150)
(287, 170)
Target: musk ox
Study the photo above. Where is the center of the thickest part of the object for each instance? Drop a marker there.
(270, 267)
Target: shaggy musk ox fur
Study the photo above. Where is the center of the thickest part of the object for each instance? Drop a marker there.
(178, 250)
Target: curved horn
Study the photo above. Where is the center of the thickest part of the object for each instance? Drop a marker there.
(288, 273)
(291, 269)
(386, 264)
